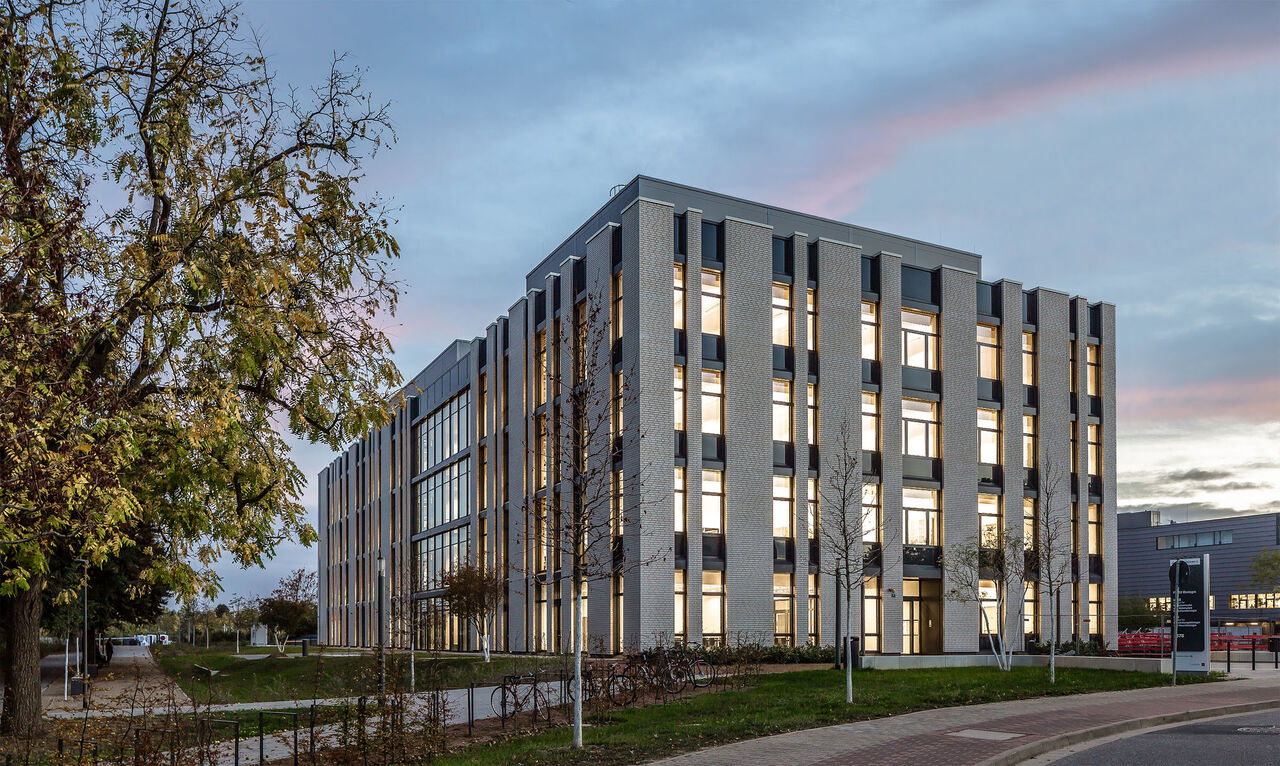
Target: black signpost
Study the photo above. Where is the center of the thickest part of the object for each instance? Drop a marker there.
(1189, 584)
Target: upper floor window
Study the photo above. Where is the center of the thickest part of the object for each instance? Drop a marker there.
(540, 367)
(1094, 365)
(680, 502)
(988, 352)
(920, 428)
(813, 413)
(811, 330)
(988, 436)
(712, 303)
(1028, 359)
(713, 502)
(919, 339)
(1030, 529)
(814, 499)
(782, 411)
(1028, 441)
(679, 404)
(870, 421)
(712, 402)
(781, 314)
(1095, 529)
(678, 297)
(870, 513)
(782, 502)
(870, 331)
(617, 306)
(988, 519)
(921, 517)
(1095, 449)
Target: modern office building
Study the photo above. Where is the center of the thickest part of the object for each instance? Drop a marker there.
(1237, 605)
(752, 333)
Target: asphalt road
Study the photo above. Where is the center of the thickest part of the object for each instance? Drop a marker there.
(1252, 739)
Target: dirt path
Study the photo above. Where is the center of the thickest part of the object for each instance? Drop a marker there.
(133, 682)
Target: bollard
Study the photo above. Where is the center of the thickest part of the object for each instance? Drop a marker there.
(1228, 656)
(1253, 653)
(471, 707)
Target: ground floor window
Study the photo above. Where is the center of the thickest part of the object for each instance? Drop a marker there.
(990, 605)
(784, 600)
(871, 616)
(713, 623)
(1095, 609)
(681, 607)
(1031, 609)
(438, 630)
(618, 602)
(815, 611)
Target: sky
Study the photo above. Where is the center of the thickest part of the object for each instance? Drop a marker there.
(1124, 151)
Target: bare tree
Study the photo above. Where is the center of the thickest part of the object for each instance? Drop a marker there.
(843, 552)
(1050, 554)
(474, 594)
(997, 557)
(599, 499)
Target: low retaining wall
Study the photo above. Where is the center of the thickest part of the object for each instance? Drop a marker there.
(911, 661)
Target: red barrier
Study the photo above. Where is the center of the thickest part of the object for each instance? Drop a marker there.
(1160, 644)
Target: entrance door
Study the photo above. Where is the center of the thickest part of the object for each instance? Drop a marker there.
(921, 616)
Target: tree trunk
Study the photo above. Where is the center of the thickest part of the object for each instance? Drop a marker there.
(22, 613)
(577, 664)
(848, 649)
(1053, 644)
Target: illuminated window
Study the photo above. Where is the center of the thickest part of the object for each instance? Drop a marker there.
(712, 303)
(989, 519)
(679, 397)
(1028, 359)
(1095, 449)
(919, 340)
(681, 606)
(1095, 608)
(781, 314)
(811, 332)
(782, 502)
(713, 623)
(1028, 441)
(870, 422)
(814, 499)
(870, 330)
(813, 413)
(712, 502)
(1031, 608)
(1094, 371)
(782, 421)
(540, 367)
(1030, 529)
(922, 521)
(988, 436)
(1095, 529)
(678, 317)
(920, 428)
(680, 503)
(871, 616)
(712, 402)
(815, 611)
(988, 596)
(988, 352)
(616, 316)
(784, 600)
(870, 513)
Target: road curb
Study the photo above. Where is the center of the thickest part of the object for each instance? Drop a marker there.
(1018, 755)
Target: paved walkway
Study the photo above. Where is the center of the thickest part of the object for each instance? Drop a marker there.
(977, 733)
(133, 681)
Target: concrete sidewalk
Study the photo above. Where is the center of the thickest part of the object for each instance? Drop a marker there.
(996, 733)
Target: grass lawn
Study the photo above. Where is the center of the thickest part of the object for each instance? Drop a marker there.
(788, 702)
(319, 676)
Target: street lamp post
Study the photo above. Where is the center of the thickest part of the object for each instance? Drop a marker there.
(382, 644)
(84, 654)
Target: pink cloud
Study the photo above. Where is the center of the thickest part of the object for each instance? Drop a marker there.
(865, 149)
(1250, 400)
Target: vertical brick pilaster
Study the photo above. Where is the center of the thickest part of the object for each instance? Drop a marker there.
(891, 447)
(1080, 466)
(800, 431)
(1011, 441)
(748, 431)
(1109, 572)
(518, 594)
(839, 390)
(597, 261)
(693, 420)
(1053, 371)
(961, 622)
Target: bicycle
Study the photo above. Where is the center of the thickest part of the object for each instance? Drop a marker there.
(508, 700)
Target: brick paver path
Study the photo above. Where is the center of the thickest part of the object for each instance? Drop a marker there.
(931, 738)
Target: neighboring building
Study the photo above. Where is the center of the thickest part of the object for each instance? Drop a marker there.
(1146, 547)
(778, 326)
